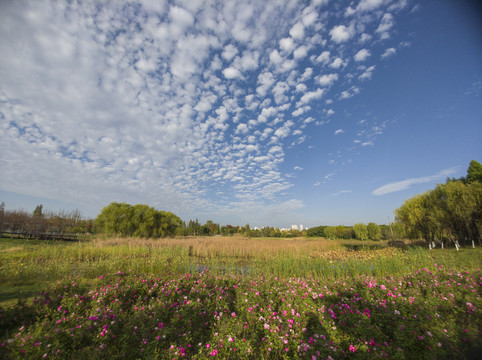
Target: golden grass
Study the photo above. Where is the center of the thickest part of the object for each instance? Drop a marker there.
(228, 246)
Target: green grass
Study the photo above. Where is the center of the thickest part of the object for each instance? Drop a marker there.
(129, 275)
(27, 266)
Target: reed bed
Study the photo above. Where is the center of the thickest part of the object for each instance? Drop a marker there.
(228, 247)
(24, 264)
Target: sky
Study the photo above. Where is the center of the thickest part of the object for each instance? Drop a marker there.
(268, 113)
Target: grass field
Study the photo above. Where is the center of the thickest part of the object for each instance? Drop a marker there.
(234, 297)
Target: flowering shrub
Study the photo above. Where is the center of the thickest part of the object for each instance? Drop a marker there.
(425, 315)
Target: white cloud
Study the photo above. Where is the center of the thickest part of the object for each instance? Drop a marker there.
(368, 5)
(385, 26)
(242, 129)
(231, 73)
(307, 74)
(229, 52)
(275, 57)
(337, 63)
(181, 20)
(328, 79)
(388, 52)
(362, 55)
(339, 131)
(249, 61)
(309, 18)
(406, 184)
(341, 33)
(324, 57)
(265, 81)
(298, 168)
(287, 44)
(310, 96)
(300, 52)
(341, 192)
(301, 88)
(297, 31)
(364, 38)
(279, 91)
(367, 74)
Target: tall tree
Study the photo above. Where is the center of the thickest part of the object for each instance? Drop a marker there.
(361, 231)
(474, 172)
(38, 211)
(374, 232)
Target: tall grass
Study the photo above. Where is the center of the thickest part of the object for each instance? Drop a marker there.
(26, 265)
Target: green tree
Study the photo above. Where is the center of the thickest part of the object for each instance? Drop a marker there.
(463, 209)
(361, 231)
(316, 231)
(340, 231)
(330, 232)
(116, 219)
(374, 231)
(420, 217)
(38, 211)
(451, 210)
(474, 172)
(121, 219)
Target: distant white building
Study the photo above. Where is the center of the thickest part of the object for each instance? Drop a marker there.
(294, 227)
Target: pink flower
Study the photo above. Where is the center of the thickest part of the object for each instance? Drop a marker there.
(352, 348)
(233, 314)
(214, 352)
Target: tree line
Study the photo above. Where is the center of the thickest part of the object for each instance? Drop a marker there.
(450, 212)
(43, 222)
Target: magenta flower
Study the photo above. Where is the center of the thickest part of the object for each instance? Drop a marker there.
(352, 348)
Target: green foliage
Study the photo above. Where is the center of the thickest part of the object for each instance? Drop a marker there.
(122, 219)
(361, 231)
(330, 232)
(374, 231)
(450, 211)
(474, 172)
(316, 231)
(38, 211)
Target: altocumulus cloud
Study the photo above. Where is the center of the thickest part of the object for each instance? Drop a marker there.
(188, 106)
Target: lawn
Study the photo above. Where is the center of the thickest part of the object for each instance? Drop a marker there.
(237, 298)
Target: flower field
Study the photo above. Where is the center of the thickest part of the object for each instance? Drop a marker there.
(431, 313)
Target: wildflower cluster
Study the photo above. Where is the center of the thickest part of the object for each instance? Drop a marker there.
(428, 314)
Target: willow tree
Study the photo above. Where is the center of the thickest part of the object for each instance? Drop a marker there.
(452, 210)
(121, 219)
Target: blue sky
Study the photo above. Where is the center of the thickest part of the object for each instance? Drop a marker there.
(261, 112)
